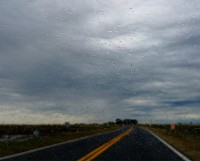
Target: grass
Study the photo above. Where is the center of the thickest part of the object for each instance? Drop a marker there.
(51, 134)
(185, 138)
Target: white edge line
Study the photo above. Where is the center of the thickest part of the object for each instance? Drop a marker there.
(182, 156)
(54, 145)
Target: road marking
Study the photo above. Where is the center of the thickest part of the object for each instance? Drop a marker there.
(93, 154)
(54, 145)
(182, 156)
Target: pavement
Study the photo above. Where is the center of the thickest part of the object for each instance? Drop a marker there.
(128, 143)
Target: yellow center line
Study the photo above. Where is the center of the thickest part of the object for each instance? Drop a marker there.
(93, 154)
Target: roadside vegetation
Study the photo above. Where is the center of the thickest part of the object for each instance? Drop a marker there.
(185, 138)
(48, 135)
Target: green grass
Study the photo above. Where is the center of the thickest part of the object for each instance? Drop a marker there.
(51, 134)
(185, 138)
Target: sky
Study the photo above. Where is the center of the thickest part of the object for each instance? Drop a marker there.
(98, 60)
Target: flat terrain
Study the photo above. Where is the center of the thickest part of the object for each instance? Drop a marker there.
(185, 138)
(49, 134)
(130, 143)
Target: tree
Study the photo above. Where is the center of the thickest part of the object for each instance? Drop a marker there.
(118, 121)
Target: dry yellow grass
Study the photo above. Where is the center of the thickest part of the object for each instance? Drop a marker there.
(187, 144)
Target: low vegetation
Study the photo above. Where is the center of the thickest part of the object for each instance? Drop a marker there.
(48, 135)
(184, 137)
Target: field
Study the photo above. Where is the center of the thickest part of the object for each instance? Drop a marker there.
(49, 134)
(185, 138)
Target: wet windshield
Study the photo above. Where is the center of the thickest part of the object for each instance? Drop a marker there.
(98, 65)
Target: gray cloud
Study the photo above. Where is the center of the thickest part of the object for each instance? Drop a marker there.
(95, 61)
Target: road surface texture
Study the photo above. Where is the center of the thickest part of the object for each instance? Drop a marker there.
(124, 144)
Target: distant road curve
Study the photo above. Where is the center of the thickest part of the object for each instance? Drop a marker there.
(129, 143)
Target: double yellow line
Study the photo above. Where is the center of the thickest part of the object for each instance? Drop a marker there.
(93, 154)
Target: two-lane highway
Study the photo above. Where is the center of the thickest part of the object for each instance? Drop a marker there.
(125, 144)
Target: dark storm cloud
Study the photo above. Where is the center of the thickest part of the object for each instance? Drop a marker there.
(96, 61)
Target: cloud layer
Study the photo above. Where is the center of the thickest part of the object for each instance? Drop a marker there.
(95, 61)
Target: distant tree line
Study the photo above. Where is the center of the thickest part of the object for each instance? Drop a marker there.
(125, 122)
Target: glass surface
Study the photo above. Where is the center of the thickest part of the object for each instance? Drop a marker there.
(96, 61)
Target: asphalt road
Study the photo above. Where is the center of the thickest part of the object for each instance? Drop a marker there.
(135, 144)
